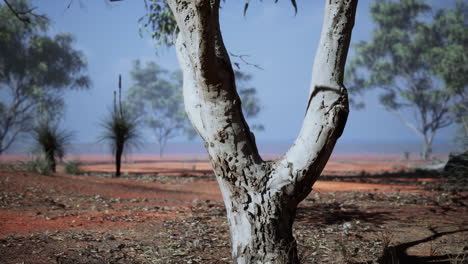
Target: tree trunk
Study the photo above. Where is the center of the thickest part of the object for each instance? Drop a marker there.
(162, 146)
(51, 161)
(118, 160)
(261, 226)
(427, 147)
(261, 196)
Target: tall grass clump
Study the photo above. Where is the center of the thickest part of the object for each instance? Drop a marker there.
(51, 141)
(36, 165)
(73, 167)
(120, 129)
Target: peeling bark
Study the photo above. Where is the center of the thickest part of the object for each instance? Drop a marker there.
(261, 196)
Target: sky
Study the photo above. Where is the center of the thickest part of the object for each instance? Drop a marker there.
(282, 43)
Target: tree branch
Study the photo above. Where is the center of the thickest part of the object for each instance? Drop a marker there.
(328, 104)
(210, 95)
(22, 15)
(242, 58)
(407, 123)
(214, 108)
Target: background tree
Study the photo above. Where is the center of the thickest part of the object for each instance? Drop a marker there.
(34, 68)
(121, 129)
(248, 95)
(260, 196)
(157, 97)
(418, 65)
(449, 60)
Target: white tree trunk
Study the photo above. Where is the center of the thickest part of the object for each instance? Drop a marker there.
(261, 196)
(427, 145)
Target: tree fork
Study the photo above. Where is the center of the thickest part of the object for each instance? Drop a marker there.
(261, 196)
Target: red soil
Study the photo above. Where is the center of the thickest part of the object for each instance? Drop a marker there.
(171, 194)
(199, 165)
(32, 204)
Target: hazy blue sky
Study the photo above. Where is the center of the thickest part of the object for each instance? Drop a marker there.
(283, 44)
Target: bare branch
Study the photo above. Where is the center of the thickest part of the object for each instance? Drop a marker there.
(407, 122)
(23, 16)
(242, 58)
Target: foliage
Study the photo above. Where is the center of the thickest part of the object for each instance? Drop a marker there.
(449, 61)
(51, 141)
(456, 172)
(37, 165)
(160, 22)
(250, 101)
(410, 60)
(460, 138)
(120, 130)
(35, 70)
(73, 167)
(157, 96)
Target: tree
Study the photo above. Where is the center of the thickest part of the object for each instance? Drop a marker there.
(158, 99)
(35, 68)
(449, 60)
(260, 196)
(406, 55)
(120, 129)
(157, 96)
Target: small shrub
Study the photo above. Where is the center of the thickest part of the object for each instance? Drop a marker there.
(73, 167)
(51, 141)
(455, 173)
(37, 165)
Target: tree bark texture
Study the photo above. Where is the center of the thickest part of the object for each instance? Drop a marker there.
(261, 196)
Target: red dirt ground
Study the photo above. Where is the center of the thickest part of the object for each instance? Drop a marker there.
(61, 207)
(199, 165)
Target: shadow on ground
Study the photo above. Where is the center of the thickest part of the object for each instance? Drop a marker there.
(335, 213)
(397, 254)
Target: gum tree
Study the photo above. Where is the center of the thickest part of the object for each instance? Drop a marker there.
(35, 70)
(260, 196)
(418, 65)
(157, 98)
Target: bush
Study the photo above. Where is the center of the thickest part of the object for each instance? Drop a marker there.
(37, 165)
(51, 141)
(73, 167)
(456, 173)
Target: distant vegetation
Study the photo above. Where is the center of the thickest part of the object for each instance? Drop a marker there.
(36, 165)
(156, 97)
(51, 141)
(36, 68)
(73, 167)
(120, 129)
(418, 59)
